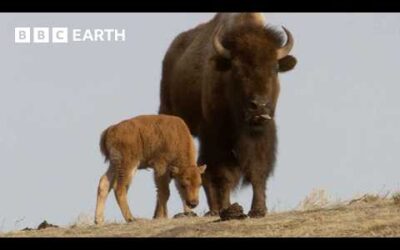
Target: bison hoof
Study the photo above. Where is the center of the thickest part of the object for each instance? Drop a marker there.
(211, 213)
(259, 213)
(159, 217)
(185, 214)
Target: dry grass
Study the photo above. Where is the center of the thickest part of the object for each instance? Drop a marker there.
(317, 199)
(396, 198)
(369, 215)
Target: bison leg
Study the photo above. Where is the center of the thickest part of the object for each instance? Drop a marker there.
(224, 193)
(258, 205)
(125, 174)
(104, 188)
(162, 184)
(224, 197)
(229, 178)
(211, 194)
(219, 190)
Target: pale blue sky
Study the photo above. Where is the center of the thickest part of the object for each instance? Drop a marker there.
(338, 113)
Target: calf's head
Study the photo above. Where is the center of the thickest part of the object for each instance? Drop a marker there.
(249, 59)
(188, 182)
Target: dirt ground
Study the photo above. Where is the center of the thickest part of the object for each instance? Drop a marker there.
(364, 217)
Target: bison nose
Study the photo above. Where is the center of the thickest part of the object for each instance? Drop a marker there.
(259, 109)
(256, 103)
(192, 204)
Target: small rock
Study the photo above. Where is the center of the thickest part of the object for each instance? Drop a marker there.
(45, 225)
(185, 214)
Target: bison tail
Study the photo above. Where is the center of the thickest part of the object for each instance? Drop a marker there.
(103, 147)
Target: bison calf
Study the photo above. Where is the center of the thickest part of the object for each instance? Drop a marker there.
(161, 142)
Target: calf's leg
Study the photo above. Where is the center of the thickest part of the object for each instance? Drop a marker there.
(125, 172)
(104, 188)
(162, 184)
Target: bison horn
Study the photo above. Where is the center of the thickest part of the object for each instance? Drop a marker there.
(218, 46)
(285, 50)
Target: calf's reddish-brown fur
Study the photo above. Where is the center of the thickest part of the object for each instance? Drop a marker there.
(161, 142)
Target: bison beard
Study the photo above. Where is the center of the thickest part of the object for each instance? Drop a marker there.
(257, 160)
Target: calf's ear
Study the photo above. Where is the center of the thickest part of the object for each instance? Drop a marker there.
(174, 170)
(287, 63)
(202, 168)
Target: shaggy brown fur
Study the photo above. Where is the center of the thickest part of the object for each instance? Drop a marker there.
(161, 142)
(222, 99)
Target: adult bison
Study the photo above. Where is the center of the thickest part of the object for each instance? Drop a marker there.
(221, 77)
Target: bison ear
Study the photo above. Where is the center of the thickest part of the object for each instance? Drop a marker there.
(221, 64)
(174, 170)
(202, 168)
(287, 63)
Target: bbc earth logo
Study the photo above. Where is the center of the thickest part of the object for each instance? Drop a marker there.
(65, 35)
